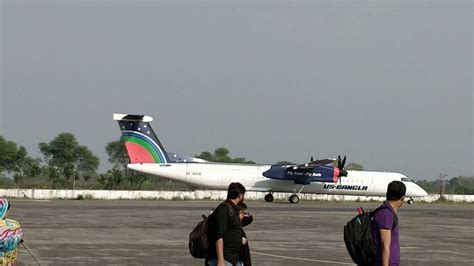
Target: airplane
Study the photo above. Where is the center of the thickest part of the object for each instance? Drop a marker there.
(326, 176)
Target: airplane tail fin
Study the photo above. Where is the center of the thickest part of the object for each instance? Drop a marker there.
(141, 142)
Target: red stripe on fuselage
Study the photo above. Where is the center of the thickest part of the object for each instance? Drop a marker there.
(138, 154)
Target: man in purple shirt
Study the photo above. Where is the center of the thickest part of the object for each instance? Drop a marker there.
(385, 228)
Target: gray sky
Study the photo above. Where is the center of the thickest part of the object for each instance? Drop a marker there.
(387, 84)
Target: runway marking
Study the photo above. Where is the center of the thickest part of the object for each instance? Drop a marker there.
(305, 259)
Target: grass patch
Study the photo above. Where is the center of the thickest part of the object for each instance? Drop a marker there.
(84, 197)
(444, 200)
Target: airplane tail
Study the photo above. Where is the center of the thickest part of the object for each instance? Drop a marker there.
(141, 142)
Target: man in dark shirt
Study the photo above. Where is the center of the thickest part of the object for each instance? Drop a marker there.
(225, 229)
(385, 228)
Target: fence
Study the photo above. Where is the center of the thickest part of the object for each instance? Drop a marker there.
(192, 195)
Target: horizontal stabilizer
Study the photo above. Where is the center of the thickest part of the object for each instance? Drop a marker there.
(125, 117)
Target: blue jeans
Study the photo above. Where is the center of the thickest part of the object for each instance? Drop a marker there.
(213, 262)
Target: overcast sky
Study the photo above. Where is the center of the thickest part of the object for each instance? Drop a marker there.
(387, 84)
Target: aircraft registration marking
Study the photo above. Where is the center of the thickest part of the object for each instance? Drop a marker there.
(193, 173)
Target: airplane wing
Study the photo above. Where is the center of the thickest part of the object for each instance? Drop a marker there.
(304, 174)
(312, 165)
(301, 176)
(258, 189)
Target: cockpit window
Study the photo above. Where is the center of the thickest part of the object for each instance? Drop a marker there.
(404, 178)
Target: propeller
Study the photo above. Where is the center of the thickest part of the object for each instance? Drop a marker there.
(339, 170)
(341, 164)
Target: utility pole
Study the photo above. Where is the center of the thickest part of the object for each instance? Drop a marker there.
(442, 184)
(74, 185)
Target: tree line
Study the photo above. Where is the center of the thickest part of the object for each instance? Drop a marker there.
(455, 185)
(65, 163)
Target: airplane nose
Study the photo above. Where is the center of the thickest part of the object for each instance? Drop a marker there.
(422, 192)
(414, 190)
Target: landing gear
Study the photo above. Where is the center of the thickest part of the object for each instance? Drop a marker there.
(294, 199)
(411, 201)
(269, 197)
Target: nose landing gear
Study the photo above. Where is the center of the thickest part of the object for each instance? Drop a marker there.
(411, 201)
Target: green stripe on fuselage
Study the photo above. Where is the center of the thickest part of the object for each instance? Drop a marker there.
(145, 145)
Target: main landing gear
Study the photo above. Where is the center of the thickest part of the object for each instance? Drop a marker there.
(411, 201)
(294, 199)
(269, 197)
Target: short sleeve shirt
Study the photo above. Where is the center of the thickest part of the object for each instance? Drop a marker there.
(384, 219)
(225, 223)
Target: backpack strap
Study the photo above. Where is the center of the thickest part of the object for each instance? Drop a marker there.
(395, 217)
(231, 209)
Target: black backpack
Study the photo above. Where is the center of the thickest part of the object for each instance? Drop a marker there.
(198, 240)
(358, 236)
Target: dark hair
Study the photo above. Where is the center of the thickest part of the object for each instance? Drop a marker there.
(396, 190)
(234, 190)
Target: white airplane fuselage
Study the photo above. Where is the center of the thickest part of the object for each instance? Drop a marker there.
(219, 176)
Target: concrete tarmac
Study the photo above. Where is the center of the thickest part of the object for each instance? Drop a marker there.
(156, 232)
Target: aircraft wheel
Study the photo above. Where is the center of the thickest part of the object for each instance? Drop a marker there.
(294, 199)
(269, 198)
(411, 201)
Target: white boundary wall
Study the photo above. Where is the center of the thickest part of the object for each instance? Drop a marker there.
(191, 195)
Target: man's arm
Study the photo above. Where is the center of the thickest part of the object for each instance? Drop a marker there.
(222, 219)
(385, 239)
(220, 251)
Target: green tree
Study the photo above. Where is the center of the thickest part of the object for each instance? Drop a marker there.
(117, 154)
(285, 162)
(57, 180)
(15, 160)
(456, 185)
(461, 185)
(112, 179)
(66, 159)
(354, 166)
(429, 186)
(135, 179)
(119, 158)
(205, 155)
(221, 155)
(8, 154)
